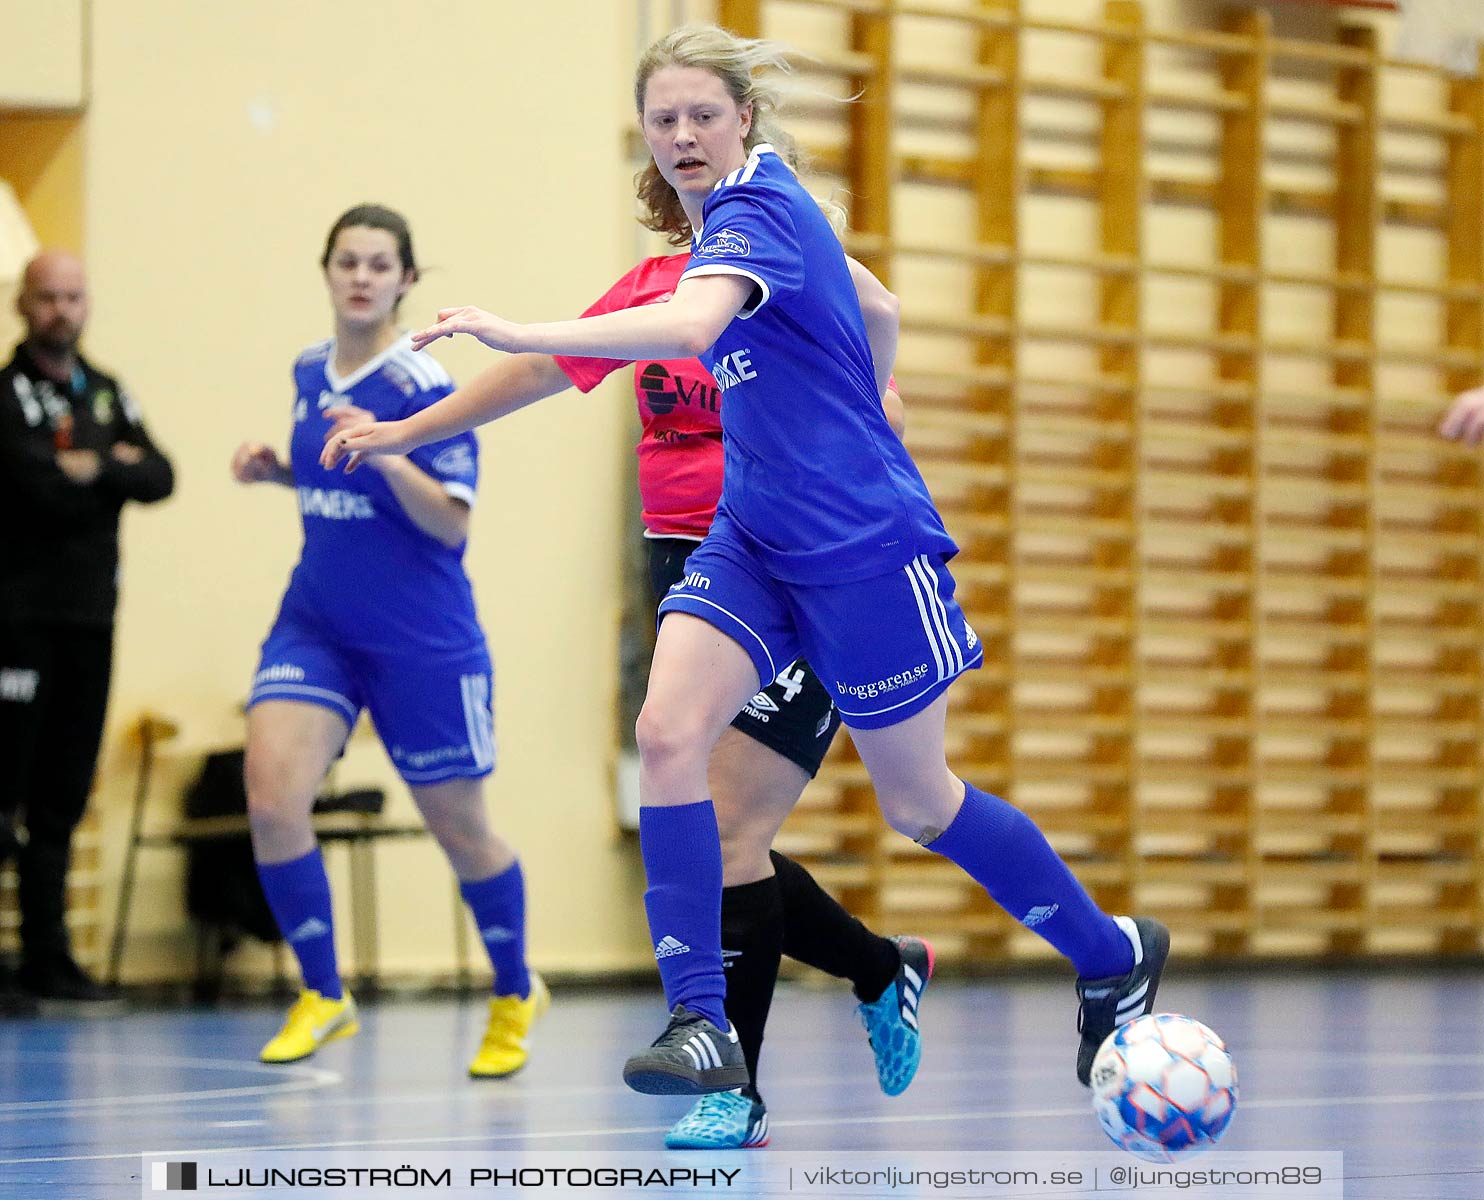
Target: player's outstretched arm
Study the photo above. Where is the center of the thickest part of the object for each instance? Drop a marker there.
(1464, 421)
(508, 386)
(685, 326)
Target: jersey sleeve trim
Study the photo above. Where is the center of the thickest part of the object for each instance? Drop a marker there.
(459, 491)
(426, 371)
(755, 301)
(316, 353)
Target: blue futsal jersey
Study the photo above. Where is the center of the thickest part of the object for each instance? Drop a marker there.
(815, 479)
(367, 577)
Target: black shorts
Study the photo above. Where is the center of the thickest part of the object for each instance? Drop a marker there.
(794, 715)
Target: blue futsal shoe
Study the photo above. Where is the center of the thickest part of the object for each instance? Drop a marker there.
(721, 1121)
(891, 1019)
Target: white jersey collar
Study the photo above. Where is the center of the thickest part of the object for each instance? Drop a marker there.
(369, 367)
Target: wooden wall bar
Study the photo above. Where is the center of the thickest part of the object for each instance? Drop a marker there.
(1228, 580)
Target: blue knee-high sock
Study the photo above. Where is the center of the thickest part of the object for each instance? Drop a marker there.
(682, 862)
(1011, 859)
(499, 907)
(298, 892)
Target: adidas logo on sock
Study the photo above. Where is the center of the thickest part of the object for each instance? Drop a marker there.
(312, 928)
(668, 947)
(1039, 915)
(496, 934)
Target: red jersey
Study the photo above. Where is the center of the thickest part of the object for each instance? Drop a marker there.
(680, 458)
(680, 405)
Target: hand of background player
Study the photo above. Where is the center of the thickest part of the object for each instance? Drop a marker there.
(254, 462)
(80, 466)
(1464, 421)
(360, 438)
(495, 332)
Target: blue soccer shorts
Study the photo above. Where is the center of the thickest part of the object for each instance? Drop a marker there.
(885, 647)
(434, 712)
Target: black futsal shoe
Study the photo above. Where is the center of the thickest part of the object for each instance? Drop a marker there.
(1105, 1004)
(692, 1057)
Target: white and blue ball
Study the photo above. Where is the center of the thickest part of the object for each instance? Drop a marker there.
(1164, 1087)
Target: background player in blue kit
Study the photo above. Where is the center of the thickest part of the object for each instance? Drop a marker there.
(378, 614)
(825, 542)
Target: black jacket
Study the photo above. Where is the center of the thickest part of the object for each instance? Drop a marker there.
(59, 551)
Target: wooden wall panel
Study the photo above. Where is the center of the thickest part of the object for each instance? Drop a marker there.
(1180, 310)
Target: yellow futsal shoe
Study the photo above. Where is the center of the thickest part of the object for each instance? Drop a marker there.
(504, 1050)
(311, 1023)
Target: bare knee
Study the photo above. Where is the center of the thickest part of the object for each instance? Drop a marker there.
(744, 849)
(904, 812)
(920, 812)
(459, 833)
(754, 790)
(454, 813)
(670, 740)
(278, 806)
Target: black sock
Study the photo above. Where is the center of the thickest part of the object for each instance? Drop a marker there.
(751, 947)
(820, 933)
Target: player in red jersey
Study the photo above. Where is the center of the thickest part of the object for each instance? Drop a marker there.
(770, 904)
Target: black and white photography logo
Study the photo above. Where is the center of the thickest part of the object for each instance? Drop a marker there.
(172, 1176)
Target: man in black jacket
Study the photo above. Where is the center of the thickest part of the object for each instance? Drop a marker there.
(72, 451)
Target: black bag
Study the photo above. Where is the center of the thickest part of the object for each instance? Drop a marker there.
(222, 887)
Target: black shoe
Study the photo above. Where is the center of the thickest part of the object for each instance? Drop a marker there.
(692, 1057)
(13, 1001)
(1105, 1004)
(17, 1004)
(58, 977)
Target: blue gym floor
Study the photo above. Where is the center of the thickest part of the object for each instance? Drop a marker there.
(1387, 1068)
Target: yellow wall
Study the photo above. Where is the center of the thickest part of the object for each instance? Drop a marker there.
(43, 55)
(221, 142)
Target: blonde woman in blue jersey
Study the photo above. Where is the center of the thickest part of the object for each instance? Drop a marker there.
(825, 543)
(378, 615)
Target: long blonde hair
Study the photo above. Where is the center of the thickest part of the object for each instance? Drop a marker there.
(737, 62)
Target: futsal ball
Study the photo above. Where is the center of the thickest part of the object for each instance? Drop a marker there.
(1163, 1087)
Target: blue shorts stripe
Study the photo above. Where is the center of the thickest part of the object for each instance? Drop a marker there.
(443, 774)
(475, 692)
(679, 603)
(306, 694)
(940, 614)
(928, 624)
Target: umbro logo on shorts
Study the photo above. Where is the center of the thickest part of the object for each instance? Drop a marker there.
(668, 947)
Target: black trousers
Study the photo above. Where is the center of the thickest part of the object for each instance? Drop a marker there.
(54, 682)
